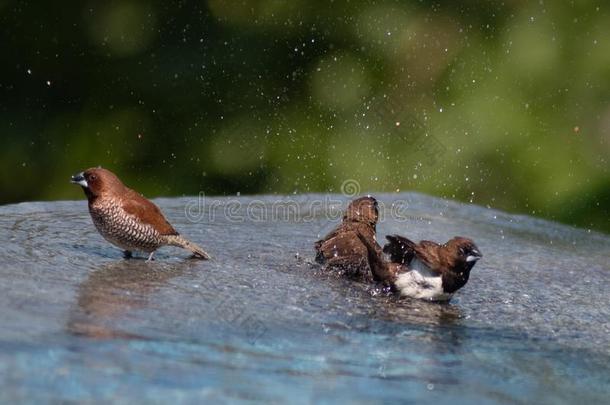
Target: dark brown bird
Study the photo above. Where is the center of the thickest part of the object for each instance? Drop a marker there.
(126, 219)
(426, 269)
(342, 249)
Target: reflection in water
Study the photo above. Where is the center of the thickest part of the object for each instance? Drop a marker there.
(418, 341)
(423, 312)
(116, 289)
(432, 330)
(402, 340)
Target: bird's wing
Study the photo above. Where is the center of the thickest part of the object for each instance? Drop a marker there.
(318, 244)
(400, 249)
(146, 212)
(344, 244)
(340, 233)
(382, 271)
(428, 253)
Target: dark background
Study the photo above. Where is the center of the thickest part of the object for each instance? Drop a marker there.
(503, 104)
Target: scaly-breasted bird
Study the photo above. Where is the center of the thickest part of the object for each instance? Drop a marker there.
(126, 219)
(341, 249)
(424, 270)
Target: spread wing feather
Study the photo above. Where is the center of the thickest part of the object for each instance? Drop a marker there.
(428, 253)
(400, 249)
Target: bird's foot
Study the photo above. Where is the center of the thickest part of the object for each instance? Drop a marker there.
(127, 254)
(150, 257)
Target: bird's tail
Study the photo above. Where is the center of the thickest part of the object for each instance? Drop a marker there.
(177, 240)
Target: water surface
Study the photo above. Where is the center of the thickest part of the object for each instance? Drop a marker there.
(259, 322)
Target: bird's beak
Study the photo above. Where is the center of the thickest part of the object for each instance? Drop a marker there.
(476, 255)
(79, 179)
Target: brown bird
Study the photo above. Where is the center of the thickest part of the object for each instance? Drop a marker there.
(126, 219)
(424, 270)
(341, 249)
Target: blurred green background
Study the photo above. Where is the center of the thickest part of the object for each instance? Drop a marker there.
(503, 104)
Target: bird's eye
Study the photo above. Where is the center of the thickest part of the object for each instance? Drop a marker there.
(463, 251)
(92, 177)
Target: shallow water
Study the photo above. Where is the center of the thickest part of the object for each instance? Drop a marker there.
(259, 322)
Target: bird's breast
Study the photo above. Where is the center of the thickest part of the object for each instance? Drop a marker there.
(419, 282)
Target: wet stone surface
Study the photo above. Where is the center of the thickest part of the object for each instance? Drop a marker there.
(259, 322)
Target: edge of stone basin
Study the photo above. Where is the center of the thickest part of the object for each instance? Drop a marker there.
(421, 203)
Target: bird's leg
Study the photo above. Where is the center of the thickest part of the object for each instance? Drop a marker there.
(127, 254)
(150, 256)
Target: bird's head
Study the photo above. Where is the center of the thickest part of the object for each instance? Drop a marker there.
(463, 251)
(363, 209)
(97, 181)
